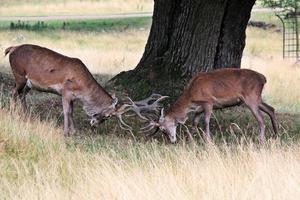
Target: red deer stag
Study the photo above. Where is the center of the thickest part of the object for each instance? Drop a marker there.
(42, 69)
(215, 90)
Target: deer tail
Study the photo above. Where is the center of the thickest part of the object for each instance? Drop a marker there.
(10, 50)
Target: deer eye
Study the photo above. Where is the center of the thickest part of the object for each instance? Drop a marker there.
(95, 116)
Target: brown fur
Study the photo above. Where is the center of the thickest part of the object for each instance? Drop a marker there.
(48, 71)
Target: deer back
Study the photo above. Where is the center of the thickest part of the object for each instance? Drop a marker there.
(49, 71)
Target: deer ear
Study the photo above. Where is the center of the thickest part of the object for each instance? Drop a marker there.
(114, 100)
(162, 117)
(162, 112)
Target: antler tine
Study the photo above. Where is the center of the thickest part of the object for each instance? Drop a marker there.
(145, 101)
(147, 130)
(138, 112)
(149, 127)
(156, 103)
(130, 100)
(155, 94)
(124, 108)
(135, 108)
(126, 129)
(123, 123)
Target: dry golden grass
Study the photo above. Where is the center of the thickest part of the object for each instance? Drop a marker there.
(73, 7)
(36, 163)
(105, 53)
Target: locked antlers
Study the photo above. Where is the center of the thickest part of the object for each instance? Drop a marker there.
(144, 106)
(152, 124)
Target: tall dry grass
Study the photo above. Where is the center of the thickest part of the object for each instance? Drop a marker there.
(72, 7)
(105, 53)
(37, 163)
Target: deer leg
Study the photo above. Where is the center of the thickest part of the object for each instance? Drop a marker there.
(18, 91)
(207, 114)
(196, 119)
(195, 123)
(259, 117)
(66, 109)
(271, 112)
(71, 121)
(25, 91)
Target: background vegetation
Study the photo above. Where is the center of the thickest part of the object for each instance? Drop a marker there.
(72, 7)
(36, 162)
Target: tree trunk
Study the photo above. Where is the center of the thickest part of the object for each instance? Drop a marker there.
(187, 36)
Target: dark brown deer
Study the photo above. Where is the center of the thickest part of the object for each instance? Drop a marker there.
(42, 69)
(215, 90)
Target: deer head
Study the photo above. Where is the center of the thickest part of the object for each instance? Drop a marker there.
(105, 113)
(166, 124)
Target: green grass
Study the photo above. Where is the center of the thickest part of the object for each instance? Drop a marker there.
(79, 25)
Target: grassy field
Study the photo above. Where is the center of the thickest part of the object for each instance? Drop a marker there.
(36, 162)
(72, 7)
(106, 46)
(268, 17)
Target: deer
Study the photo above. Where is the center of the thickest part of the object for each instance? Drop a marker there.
(217, 89)
(44, 70)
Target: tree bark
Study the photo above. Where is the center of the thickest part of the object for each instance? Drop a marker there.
(187, 36)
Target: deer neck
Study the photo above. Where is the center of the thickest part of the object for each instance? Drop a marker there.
(96, 100)
(178, 111)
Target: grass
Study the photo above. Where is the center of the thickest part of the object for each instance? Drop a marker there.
(268, 17)
(78, 25)
(72, 7)
(120, 42)
(36, 162)
(40, 164)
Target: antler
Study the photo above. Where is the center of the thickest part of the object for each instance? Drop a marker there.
(152, 124)
(149, 104)
(149, 127)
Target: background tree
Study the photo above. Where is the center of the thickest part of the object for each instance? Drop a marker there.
(187, 36)
(287, 5)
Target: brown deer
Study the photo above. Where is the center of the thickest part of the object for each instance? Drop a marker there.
(42, 69)
(215, 90)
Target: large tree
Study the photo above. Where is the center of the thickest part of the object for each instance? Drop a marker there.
(188, 36)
